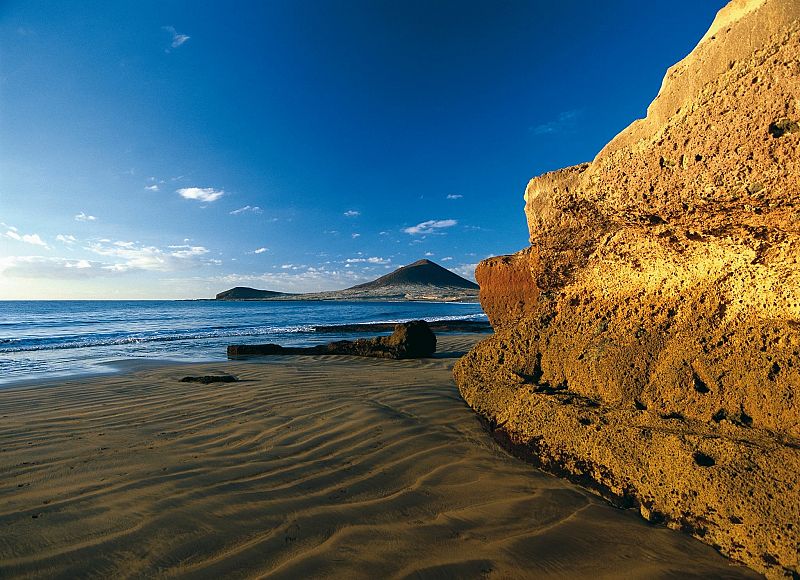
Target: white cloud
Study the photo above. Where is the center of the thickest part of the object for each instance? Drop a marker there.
(207, 194)
(260, 250)
(82, 217)
(447, 259)
(352, 213)
(12, 233)
(428, 254)
(454, 196)
(51, 268)
(465, 270)
(245, 209)
(134, 256)
(354, 236)
(186, 251)
(66, 239)
(177, 38)
(430, 227)
(371, 260)
(153, 187)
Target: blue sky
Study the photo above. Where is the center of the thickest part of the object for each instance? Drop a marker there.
(176, 149)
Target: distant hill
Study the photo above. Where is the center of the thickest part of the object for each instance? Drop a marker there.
(245, 293)
(421, 272)
(422, 280)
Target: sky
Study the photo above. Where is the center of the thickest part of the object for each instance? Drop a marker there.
(171, 150)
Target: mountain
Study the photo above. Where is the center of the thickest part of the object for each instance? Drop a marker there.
(422, 280)
(420, 273)
(245, 293)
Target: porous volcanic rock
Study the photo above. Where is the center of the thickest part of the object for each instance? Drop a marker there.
(412, 339)
(647, 343)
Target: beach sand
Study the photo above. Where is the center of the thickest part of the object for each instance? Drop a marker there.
(306, 467)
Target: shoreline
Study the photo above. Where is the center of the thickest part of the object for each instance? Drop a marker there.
(445, 326)
(307, 466)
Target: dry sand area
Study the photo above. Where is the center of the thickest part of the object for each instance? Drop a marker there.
(308, 467)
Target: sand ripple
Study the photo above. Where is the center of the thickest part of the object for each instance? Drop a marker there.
(308, 467)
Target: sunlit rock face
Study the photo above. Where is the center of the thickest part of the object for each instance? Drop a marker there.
(647, 343)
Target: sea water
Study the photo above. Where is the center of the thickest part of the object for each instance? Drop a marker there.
(46, 339)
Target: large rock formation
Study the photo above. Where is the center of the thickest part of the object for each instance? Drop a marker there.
(647, 343)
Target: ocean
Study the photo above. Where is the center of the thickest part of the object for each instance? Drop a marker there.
(40, 340)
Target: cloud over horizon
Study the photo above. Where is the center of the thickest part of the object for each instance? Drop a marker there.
(83, 217)
(50, 268)
(135, 256)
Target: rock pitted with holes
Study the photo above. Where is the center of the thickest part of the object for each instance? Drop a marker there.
(647, 343)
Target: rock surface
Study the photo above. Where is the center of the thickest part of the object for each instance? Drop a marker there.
(412, 339)
(647, 343)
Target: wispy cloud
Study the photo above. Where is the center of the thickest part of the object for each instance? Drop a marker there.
(207, 194)
(447, 259)
(454, 196)
(177, 38)
(151, 187)
(465, 270)
(371, 260)
(260, 250)
(66, 239)
(12, 233)
(563, 123)
(428, 254)
(51, 268)
(246, 209)
(352, 213)
(187, 251)
(83, 217)
(135, 256)
(430, 227)
(355, 235)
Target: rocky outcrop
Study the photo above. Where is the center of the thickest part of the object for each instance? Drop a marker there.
(647, 343)
(412, 339)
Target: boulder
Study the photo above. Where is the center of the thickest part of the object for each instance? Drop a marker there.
(412, 339)
(647, 343)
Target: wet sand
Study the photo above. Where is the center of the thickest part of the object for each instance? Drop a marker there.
(306, 467)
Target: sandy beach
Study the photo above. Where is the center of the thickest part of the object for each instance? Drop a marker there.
(307, 467)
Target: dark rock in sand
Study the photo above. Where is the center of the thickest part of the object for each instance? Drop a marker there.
(412, 339)
(208, 379)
